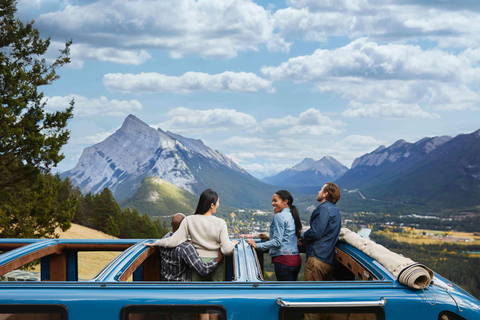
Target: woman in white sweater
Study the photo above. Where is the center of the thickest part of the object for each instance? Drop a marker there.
(208, 234)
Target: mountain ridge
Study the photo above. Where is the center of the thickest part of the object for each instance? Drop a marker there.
(309, 173)
(440, 173)
(136, 151)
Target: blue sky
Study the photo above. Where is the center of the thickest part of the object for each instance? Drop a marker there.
(267, 83)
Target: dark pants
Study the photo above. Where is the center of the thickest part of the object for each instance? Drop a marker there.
(286, 273)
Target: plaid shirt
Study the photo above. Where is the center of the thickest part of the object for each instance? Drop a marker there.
(176, 262)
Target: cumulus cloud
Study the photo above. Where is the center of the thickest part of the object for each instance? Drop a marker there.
(191, 81)
(214, 29)
(366, 59)
(184, 120)
(392, 110)
(451, 24)
(309, 122)
(390, 81)
(91, 139)
(86, 107)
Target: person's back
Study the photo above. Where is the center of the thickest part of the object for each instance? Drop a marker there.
(208, 234)
(177, 263)
(324, 248)
(320, 239)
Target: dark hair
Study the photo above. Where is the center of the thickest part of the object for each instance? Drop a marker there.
(205, 202)
(285, 195)
(333, 192)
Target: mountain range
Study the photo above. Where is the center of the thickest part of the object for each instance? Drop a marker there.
(309, 173)
(146, 168)
(441, 173)
(136, 151)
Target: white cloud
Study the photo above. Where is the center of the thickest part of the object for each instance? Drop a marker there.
(79, 53)
(392, 110)
(363, 141)
(214, 28)
(91, 139)
(109, 54)
(191, 81)
(390, 81)
(365, 59)
(450, 23)
(184, 120)
(309, 122)
(86, 107)
(445, 97)
(246, 142)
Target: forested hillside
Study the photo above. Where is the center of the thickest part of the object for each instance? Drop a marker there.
(102, 212)
(448, 260)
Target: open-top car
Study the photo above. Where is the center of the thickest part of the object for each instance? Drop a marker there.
(128, 287)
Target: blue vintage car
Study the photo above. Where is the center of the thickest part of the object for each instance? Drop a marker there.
(128, 288)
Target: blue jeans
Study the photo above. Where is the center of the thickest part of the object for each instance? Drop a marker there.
(286, 273)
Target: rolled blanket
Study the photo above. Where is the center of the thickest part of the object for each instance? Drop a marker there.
(408, 272)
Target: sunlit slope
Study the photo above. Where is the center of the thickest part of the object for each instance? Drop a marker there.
(157, 197)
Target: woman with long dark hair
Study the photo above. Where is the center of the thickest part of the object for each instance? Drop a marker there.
(282, 242)
(208, 234)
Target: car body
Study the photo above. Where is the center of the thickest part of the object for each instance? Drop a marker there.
(128, 288)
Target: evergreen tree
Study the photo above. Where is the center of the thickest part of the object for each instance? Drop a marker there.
(111, 227)
(105, 208)
(30, 138)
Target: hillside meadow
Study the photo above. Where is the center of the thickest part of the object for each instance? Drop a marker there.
(89, 263)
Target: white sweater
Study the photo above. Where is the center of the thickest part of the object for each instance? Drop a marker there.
(208, 234)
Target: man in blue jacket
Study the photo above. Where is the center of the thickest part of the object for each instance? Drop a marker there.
(320, 239)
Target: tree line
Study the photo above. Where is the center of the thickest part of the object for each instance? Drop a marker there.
(34, 202)
(102, 212)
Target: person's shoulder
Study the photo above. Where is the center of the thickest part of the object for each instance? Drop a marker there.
(207, 220)
(217, 220)
(283, 215)
(330, 207)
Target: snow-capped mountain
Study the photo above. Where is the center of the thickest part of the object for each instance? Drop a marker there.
(136, 151)
(309, 173)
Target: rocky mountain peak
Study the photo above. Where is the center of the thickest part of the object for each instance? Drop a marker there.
(398, 144)
(309, 173)
(304, 165)
(137, 150)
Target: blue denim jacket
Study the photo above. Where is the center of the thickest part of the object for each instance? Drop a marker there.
(320, 239)
(283, 240)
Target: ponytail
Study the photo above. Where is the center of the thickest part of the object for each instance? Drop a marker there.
(296, 218)
(285, 195)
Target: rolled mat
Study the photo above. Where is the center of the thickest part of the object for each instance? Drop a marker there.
(416, 276)
(408, 272)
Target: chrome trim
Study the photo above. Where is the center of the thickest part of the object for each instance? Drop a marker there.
(377, 303)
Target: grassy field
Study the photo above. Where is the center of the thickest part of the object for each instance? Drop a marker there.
(89, 263)
(421, 236)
